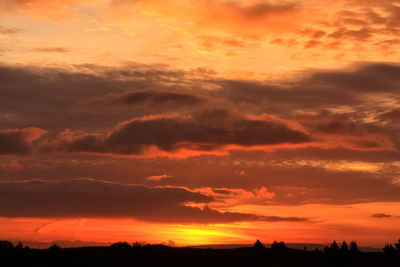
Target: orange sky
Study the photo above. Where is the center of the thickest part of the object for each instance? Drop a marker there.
(200, 121)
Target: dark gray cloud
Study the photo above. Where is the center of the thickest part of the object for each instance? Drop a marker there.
(152, 100)
(159, 98)
(393, 115)
(13, 142)
(18, 141)
(350, 129)
(89, 198)
(295, 176)
(94, 99)
(327, 122)
(206, 130)
(381, 215)
(44, 97)
(88, 97)
(222, 191)
(318, 89)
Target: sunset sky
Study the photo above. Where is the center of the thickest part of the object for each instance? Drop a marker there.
(200, 121)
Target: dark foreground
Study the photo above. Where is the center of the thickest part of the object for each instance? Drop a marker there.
(160, 255)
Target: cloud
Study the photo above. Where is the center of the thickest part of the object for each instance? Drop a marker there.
(90, 198)
(381, 215)
(53, 10)
(51, 50)
(352, 30)
(18, 141)
(319, 89)
(29, 92)
(212, 43)
(363, 34)
(292, 176)
(90, 96)
(235, 17)
(348, 131)
(204, 131)
(393, 115)
(238, 196)
(158, 177)
(151, 99)
(199, 114)
(4, 30)
(12, 165)
(362, 21)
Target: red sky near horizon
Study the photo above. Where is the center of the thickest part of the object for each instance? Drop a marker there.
(199, 121)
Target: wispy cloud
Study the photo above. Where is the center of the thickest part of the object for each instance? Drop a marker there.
(157, 178)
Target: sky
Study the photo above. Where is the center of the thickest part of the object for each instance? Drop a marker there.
(191, 122)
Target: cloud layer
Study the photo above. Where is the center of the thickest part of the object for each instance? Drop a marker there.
(126, 111)
(88, 198)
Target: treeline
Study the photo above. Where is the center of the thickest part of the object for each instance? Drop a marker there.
(140, 254)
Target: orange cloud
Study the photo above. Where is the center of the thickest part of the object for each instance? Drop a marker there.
(158, 177)
(251, 20)
(230, 197)
(61, 10)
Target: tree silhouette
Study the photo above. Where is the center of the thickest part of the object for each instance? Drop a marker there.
(19, 246)
(278, 246)
(397, 245)
(389, 249)
(353, 246)
(160, 255)
(344, 247)
(258, 244)
(334, 246)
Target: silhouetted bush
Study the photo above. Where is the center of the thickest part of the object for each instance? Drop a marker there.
(6, 244)
(123, 245)
(278, 246)
(54, 247)
(137, 245)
